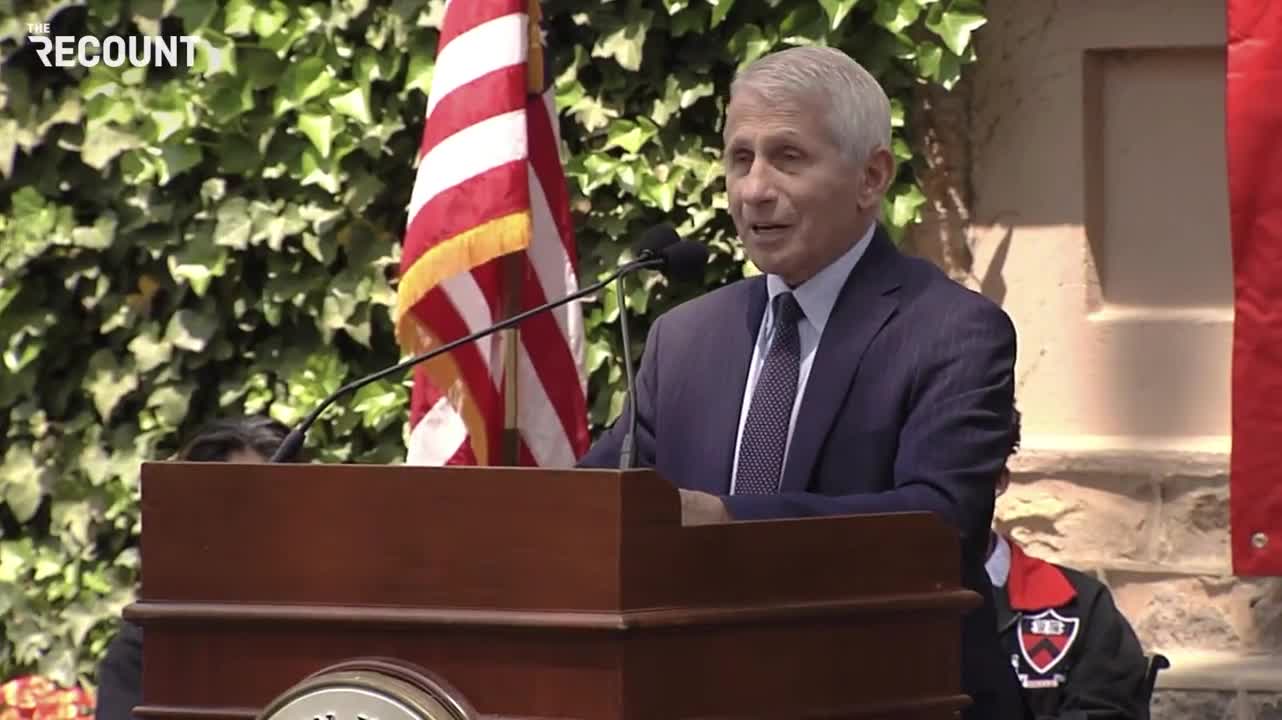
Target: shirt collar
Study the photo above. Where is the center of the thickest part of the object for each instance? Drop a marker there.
(818, 295)
(998, 564)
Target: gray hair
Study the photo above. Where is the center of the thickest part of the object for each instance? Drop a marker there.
(858, 109)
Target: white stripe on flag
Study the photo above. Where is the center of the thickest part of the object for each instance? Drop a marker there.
(471, 305)
(467, 153)
(437, 436)
(477, 53)
(540, 426)
(554, 272)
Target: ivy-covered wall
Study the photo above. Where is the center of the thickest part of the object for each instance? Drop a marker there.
(177, 245)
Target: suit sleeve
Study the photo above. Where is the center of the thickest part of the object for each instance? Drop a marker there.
(1107, 681)
(955, 438)
(120, 675)
(604, 453)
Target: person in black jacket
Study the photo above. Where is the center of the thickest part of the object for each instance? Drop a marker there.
(1074, 653)
(241, 440)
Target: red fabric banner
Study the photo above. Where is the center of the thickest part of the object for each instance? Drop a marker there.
(1253, 117)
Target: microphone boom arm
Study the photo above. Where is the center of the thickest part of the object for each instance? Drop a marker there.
(294, 441)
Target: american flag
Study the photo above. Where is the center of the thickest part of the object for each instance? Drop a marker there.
(489, 234)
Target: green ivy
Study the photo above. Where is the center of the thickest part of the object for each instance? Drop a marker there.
(180, 245)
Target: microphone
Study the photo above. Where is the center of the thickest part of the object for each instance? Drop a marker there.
(661, 256)
(656, 240)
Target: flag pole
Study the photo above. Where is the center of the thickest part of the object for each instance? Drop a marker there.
(513, 264)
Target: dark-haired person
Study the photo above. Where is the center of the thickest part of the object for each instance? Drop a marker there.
(1073, 651)
(239, 440)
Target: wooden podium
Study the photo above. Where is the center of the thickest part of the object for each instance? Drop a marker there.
(536, 594)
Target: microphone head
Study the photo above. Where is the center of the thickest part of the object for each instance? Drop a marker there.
(684, 261)
(655, 240)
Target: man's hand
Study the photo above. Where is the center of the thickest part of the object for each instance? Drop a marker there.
(701, 508)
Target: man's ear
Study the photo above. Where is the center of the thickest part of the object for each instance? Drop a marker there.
(879, 173)
(1003, 481)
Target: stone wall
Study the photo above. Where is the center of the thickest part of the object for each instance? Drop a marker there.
(1077, 178)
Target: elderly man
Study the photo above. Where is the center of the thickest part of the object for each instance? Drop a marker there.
(848, 379)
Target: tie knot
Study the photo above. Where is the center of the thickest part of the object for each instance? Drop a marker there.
(787, 309)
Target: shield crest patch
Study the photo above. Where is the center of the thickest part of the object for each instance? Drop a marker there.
(1044, 639)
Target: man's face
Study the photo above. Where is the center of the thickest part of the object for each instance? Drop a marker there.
(797, 201)
(247, 457)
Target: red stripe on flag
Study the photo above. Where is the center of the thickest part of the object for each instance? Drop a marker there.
(554, 364)
(1254, 129)
(491, 95)
(492, 194)
(463, 15)
(437, 311)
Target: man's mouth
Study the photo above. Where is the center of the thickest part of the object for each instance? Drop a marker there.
(761, 228)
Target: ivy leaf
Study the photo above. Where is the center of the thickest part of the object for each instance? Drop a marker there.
(929, 58)
(236, 154)
(353, 104)
(630, 135)
(422, 68)
(165, 123)
(262, 68)
(954, 27)
(170, 403)
(627, 43)
(99, 236)
(108, 382)
(380, 404)
(903, 208)
(720, 10)
(748, 43)
(302, 82)
(269, 19)
(233, 226)
(239, 16)
(176, 158)
(232, 97)
(837, 10)
(319, 129)
(190, 330)
(150, 352)
(217, 55)
(198, 261)
(22, 484)
(103, 143)
(195, 14)
(897, 15)
(317, 170)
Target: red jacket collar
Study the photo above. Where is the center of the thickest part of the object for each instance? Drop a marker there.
(1035, 584)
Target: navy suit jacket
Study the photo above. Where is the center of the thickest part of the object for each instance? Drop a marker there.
(907, 408)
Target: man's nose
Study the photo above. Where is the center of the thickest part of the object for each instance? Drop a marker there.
(757, 186)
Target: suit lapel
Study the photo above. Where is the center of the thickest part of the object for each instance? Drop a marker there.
(729, 354)
(866, 302)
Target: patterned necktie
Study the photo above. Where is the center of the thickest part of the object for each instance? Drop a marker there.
(765, 432)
